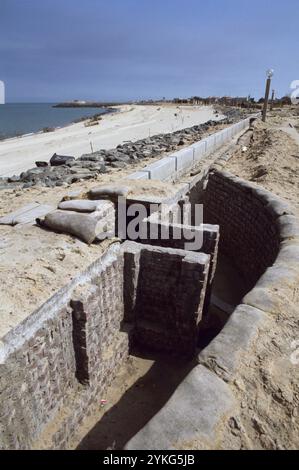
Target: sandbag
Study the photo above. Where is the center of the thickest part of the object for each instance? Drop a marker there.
(82, 226)
(79, 205)
(110, 191)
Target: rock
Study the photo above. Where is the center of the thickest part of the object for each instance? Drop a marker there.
(41, 164)
(101, 168)
(58, 160)
(31, 174)
(259, 172)
(82, 226)
(14, 179)
(118, 164)
(81, 176)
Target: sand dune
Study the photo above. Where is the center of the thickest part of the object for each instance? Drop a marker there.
(131, 122)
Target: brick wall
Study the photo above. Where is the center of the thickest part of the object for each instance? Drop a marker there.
(165, 297)
(181, 237)
(249, 233)
(55, 373)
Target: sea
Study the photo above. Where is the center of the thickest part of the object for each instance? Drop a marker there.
(24, 118)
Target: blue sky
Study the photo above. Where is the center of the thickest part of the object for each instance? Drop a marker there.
(52, 50)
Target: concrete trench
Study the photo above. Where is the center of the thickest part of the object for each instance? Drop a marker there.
(56, 364)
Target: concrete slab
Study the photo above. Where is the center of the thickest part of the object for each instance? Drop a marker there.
(27, 214)
(9, 218)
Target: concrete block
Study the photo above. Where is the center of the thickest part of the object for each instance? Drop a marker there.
(184, 158)
(225, 135)
(218, 139)
(139, 175)
(200, 149)
(200, 403)
(162, 169)
(225, 353)
(210, 143)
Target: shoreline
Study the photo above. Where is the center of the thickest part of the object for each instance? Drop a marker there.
(55, 128)
(126, 123)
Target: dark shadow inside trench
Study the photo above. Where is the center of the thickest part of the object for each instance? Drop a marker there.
(139, 403)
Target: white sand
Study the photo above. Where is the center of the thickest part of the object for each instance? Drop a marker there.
(132, 122)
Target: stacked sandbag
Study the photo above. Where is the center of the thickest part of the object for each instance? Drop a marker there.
(83, 226)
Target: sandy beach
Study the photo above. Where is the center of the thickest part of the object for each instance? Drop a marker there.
(130, 122)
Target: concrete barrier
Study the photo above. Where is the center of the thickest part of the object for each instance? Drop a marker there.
(162, 169)
(168, 167)
(210, 143)
(183, 159)
(200, 149)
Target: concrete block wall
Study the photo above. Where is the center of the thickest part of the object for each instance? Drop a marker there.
(166, 301)
(183, 159)
(171, 167)
(161, 169)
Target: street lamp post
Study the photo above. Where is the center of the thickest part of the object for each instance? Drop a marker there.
(270, 74)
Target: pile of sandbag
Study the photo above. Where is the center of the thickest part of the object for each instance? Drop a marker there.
(88, 219)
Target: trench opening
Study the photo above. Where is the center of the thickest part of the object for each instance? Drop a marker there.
(229, 287)
(149, 378)
(142, 387)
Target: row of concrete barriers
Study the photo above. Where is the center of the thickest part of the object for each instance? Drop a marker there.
(169, 167)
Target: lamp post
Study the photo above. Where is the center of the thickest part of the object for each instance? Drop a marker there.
(270, 74)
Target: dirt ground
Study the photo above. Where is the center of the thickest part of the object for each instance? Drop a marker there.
(268, 386)
(272, 159)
